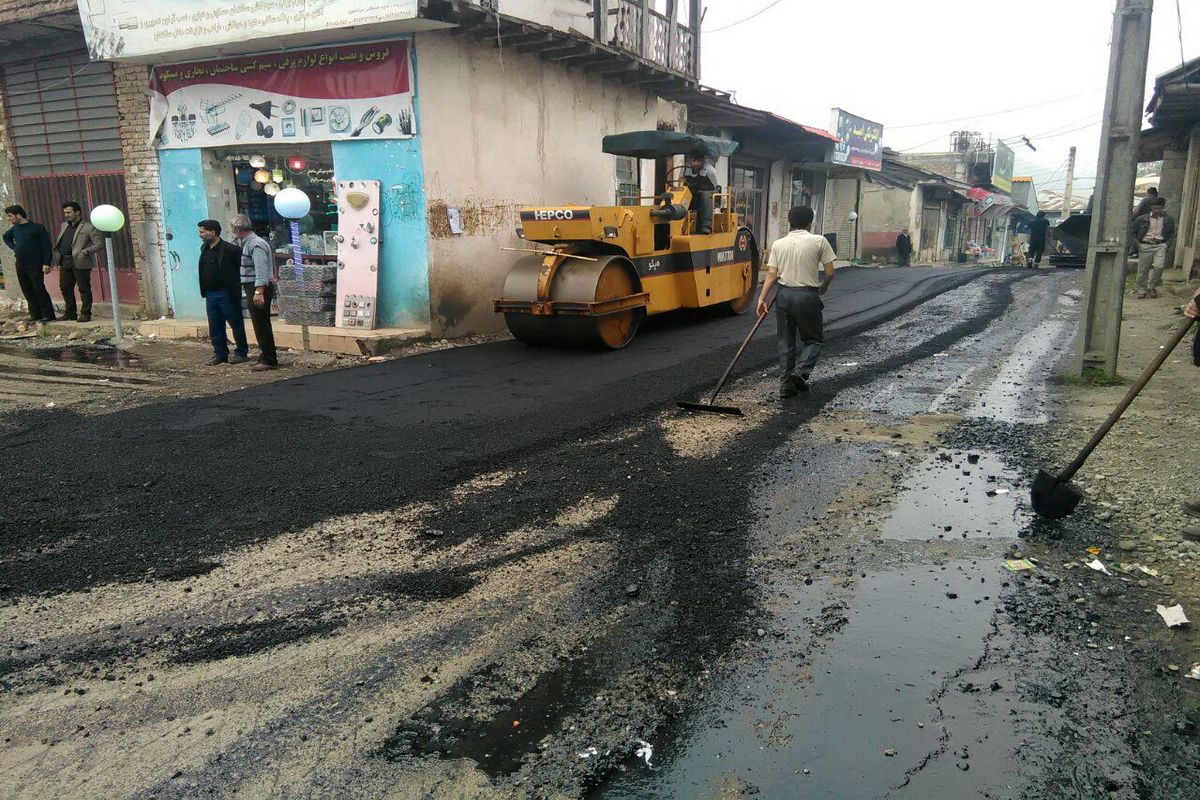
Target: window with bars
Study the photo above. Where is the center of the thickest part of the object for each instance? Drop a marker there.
(629, 183)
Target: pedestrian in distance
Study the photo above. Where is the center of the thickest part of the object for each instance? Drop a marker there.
(1143, 207)
(74, 254)
(258, 286)
(30, 242)
(1153, 233)
(904, 247)
(1038, 229)
(796, 263)
(221, 288)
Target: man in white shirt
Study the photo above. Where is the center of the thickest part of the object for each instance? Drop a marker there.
(796, 262)
(1153, 233)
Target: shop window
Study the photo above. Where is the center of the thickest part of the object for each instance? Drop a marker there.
(802, 194)
(629, 186)
(258, 175)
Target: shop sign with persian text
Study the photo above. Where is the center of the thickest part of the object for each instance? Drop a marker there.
(358, 92)
(117, 29)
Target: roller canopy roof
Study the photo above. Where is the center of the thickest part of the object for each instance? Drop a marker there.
(658, 144)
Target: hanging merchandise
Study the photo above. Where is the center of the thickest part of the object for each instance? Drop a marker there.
(271, 189)
(277, 175)
(258, 162)
(262, 176)
(303, 96)
(297, 163)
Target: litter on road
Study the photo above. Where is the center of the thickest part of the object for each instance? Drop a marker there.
(1194, 672)
(645, 752)
(1018, 565)
(1098, 565)
(1173, 616)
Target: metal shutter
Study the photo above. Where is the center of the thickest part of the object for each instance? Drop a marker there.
(63, 116)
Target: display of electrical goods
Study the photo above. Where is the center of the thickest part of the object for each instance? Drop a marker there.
(358, 253)
(277, 175)
(262, 176)
(297, 164)
(258, 162)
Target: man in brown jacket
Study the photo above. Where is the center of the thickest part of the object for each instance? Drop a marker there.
(74, 255)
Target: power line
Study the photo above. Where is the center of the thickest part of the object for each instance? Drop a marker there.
(758, 13)
(994, 113)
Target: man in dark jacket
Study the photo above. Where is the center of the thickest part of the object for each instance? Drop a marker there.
(221, 288)
(1153, 233)
(1037, 238)
(904, 247)
(1143, 207)
(74, 255)
(31, 243)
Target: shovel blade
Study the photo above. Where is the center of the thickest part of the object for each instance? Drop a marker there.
(708, 408)
(1053, 498)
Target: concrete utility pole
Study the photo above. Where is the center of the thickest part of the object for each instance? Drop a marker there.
(1104, 282)
(1070, 184)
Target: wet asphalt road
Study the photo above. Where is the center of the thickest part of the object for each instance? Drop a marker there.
(495, 572)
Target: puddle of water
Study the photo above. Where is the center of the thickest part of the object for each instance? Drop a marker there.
(1018, 393)
(82, 354)
(956, 495)
(868, 692)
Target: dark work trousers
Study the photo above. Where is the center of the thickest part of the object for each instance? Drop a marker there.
(33, 286)
(224, 309)
(1036, 251)
(798, 313)
(702, 204)
(68, 279)
(261, 319)
(905, 258)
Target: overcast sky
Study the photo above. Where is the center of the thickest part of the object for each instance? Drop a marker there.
(914, 65)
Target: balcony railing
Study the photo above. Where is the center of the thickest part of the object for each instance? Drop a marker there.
(659, 37)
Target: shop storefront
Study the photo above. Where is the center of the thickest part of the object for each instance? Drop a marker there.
(339, 124)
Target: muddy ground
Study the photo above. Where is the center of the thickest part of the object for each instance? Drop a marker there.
(810, 601)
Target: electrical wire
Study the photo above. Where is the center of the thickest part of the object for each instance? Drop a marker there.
(758, 13)
(994, 113)
(56, 84)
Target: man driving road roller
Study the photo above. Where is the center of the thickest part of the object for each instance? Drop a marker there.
(702, 179)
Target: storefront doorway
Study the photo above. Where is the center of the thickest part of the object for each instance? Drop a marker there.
(749, 185)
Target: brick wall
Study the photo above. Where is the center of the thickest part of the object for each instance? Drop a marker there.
(21, 10)
(141, 183)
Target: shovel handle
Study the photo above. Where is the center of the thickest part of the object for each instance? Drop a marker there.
(1133, 392)
(742, 349)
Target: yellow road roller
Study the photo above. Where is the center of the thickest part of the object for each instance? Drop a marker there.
(592, 273)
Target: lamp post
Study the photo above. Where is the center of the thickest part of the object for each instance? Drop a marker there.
(853, 217)
(108, 220)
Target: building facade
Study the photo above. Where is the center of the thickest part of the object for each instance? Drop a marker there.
(456, 113)
(1174, 139)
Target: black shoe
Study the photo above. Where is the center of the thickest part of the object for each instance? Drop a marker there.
(787, 389)
(1192, 507)
(85, 318)
(215, 360)
(67, 319)
(47, 319)
(263, 366)
(237, 359)
(802, 383)
(31, 319)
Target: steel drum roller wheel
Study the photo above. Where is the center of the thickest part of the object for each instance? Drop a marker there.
(576, 281)
(746, 302)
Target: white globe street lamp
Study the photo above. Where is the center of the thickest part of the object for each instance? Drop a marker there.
(108, 220)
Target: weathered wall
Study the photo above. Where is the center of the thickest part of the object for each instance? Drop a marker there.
(8, 196)
(144, 212)
(884, 212)
(949, 164)
(500, 130)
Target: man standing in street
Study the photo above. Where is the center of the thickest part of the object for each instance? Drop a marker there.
(31, 243)
(221, 288)
(1153, 232)
(1037, 238)
(258, 287)
(796, 262)
(74, 251)
(904, 247)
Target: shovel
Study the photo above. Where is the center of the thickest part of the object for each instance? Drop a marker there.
(732, 410)
(1053, 496)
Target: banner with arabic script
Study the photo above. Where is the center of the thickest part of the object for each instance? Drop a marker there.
(117, 29)
(357, 92)
(861, 142)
